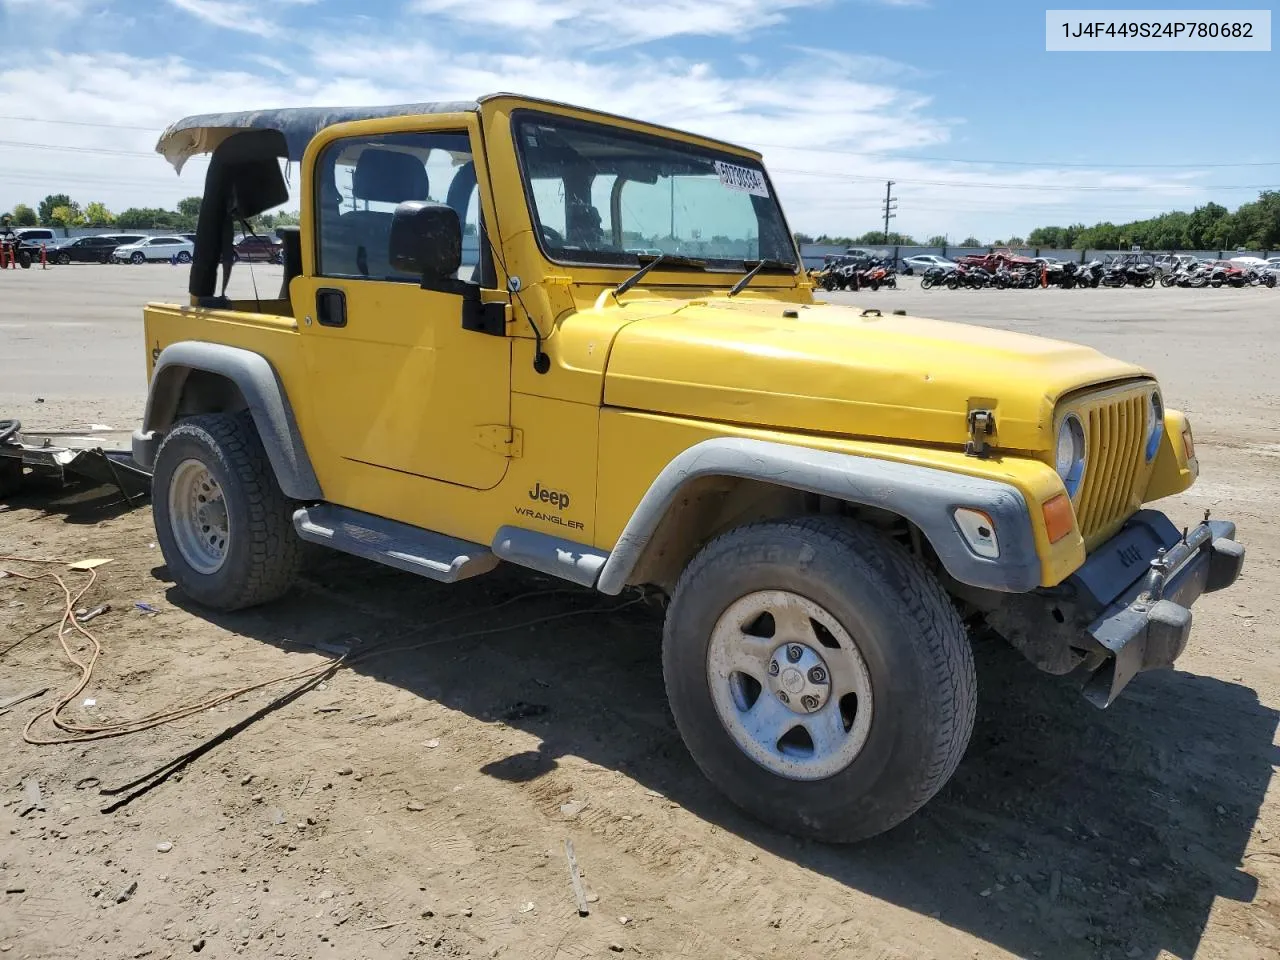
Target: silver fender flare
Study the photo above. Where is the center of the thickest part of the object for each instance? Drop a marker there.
(264, 395)
(925, 496)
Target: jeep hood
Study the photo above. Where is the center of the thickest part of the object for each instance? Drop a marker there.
(823, 368)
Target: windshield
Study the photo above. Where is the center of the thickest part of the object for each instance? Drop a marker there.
(602, 195)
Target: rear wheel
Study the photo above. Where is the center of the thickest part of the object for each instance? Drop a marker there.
(819, 675)
(24, 259)
(184, 257)
(223, 524)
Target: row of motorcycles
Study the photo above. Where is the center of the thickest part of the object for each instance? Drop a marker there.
(1095, 273)
(1218, 275)
(855, 273)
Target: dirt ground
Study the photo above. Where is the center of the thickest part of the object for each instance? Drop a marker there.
(417, 804)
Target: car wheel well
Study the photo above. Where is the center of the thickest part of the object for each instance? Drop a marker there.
(203, 392)
(710, 506)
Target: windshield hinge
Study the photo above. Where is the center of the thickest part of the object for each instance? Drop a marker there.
(982, 424)
(501, 439)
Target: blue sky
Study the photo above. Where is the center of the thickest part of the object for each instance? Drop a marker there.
(838, 95)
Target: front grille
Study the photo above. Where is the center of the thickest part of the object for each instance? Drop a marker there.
(1115, 466)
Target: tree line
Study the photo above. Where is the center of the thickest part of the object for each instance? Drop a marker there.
(59, 210)
(1253, 226)
(878, 238)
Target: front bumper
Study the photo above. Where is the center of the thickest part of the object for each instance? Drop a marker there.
(1145, 625)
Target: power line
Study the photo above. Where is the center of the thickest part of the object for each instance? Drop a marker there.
(82, 123)
(1002, 185)
(834, 150)
(1017, 163)
(68, 148)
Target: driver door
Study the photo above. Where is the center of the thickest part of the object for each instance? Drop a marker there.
(397, 383)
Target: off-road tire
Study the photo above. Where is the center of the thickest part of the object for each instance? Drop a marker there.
(916, 650)
(264, 554)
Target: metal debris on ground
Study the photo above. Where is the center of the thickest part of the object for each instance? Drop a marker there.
(31, 793)
(146, 607)
(87, 615)
(23, 698)
(575, 879)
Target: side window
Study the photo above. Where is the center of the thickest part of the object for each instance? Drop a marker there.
(361, 180)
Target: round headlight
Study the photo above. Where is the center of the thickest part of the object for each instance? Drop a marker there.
(1155, 424)
(1069, 457)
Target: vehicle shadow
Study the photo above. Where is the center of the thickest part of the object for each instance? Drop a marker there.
(77, 502)
(1066, 831)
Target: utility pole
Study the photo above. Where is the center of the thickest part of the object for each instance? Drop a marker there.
(890, 205)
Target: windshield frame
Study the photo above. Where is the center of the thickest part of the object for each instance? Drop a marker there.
(717, 267)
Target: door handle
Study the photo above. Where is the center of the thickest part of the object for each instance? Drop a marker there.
(331, 307)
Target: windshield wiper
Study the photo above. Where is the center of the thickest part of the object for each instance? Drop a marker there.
(670, 259)
(741, 285)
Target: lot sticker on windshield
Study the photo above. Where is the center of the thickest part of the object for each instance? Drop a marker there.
(742, 178)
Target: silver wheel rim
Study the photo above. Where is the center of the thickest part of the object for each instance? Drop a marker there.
(789, 685)
(198, 517)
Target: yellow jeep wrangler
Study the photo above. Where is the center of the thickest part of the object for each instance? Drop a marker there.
(512, 330)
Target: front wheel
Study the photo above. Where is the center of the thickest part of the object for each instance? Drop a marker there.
(926, 282)
(1149, 281)
(63, 259)
(819, 676)
(223, 524)
(138, 257)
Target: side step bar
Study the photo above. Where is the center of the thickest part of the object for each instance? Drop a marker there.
(398, 545)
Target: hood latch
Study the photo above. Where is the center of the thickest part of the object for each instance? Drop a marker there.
(982, 424)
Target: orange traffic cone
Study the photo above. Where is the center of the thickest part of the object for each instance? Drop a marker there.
(1044, 277)
(44, 262)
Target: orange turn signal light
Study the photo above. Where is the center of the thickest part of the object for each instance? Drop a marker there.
(1059, 518)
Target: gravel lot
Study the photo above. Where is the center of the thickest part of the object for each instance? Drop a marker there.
(417, 804)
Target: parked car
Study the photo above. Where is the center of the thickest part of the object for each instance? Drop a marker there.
(34, 236)
(155, 248)
(923, 262)
(261, 249)
(124, 239)
(82, 250)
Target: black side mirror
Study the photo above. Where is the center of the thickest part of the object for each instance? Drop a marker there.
(426, 240)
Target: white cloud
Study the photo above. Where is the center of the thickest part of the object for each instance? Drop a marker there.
(230, 15)
(815, 115)
(615, 25)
